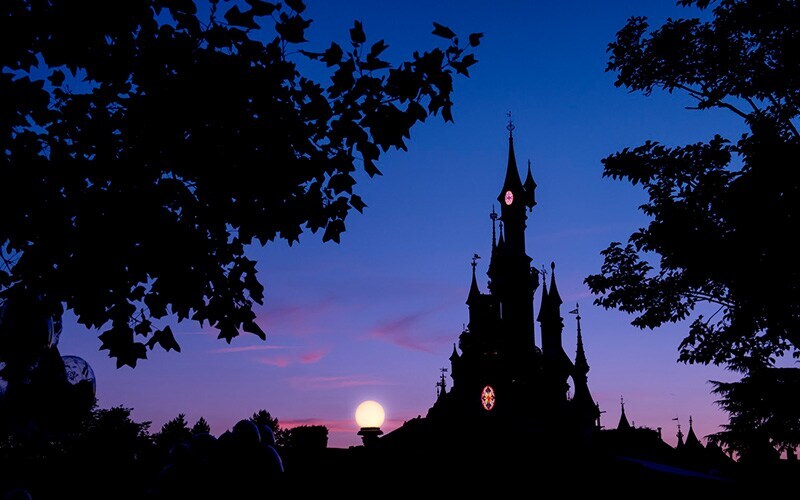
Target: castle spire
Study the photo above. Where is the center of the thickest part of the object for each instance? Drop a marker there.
(502, 241)
(454, 356)
(581, 364)
(474, 291)
(623, 424)
(555, 298)
(692, 443)
(493, 216)
(543, 303)
(512, 185)
(530, 189)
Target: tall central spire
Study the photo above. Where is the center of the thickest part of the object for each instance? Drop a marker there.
(512, 183)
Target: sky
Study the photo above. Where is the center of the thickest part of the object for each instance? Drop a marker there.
(375, 317)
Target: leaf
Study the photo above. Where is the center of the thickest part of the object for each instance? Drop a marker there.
(236, 17)
(292, 28)
(333, 230)
(370, 168)
(443, 31)
(357, 203)
(261, 8)
(357, 35)
(377, 48)
(333, 55)
(296, 5)
(165, 339)
(475, 39)
(252, 327)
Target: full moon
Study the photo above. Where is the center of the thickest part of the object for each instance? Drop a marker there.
(369, 414)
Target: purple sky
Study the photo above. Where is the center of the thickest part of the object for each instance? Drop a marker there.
(375, 317)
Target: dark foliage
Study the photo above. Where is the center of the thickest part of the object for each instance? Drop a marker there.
(265, 418)
(173, 432)
(724, 212)
(307, 438)
(764, 414)
(144, 144)
(201, 427)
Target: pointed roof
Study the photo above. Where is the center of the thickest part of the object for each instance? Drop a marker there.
(581, 364)
(502, 240)
(512, 181)
(691, 438)
(474, 291)
(454, 356)
(623, 424)
(555, 298)
(530, 189)
(544, 302)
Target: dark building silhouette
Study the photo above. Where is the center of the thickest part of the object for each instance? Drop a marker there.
(501, 377)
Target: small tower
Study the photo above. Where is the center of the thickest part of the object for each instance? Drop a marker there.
(623, 424)
(586, 410)
(692, 444)
(558, 366)
(454, 361)
(530, 189)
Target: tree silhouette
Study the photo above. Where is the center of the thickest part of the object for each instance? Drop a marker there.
(146, 146)
(764, 414)
(201, 427)
(724, 213)
(265, 418)
(173, 432)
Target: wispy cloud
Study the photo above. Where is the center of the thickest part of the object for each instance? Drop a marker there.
(333, 382)
(405, 331)
(250, 348)
(279, 361)
(313, 356)
(296, 319)
(284, 360)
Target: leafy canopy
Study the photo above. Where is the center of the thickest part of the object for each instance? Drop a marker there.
(724, 212)
(146, 143)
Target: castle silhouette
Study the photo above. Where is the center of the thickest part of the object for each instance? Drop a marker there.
(502, 379)
(501, 372)
(516, 391)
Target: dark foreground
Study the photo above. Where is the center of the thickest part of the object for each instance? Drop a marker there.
(213, 470)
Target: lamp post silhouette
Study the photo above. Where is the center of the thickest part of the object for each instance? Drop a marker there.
(370, 417)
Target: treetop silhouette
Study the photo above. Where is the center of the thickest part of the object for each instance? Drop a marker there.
(723, 212)
(147, 144)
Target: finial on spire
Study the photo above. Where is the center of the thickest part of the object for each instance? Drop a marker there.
(510, 127)
(544, 276)
(475, 258)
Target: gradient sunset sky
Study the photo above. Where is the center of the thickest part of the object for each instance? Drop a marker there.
(376, 316)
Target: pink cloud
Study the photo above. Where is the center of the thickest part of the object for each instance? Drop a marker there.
(249, 348)
(279, 361)
(404, 332)
(313, 356)
(282, 361)
(296, 319)
(335, 382)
